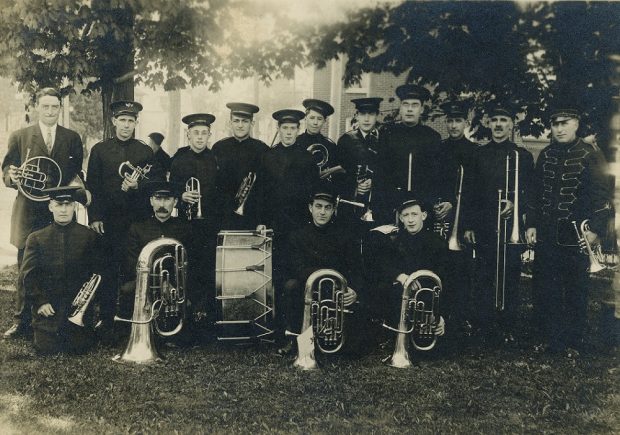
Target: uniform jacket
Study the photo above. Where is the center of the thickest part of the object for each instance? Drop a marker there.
(68, 152)
(163, 159)
(58, 260)
(306, 139)
(354, 149)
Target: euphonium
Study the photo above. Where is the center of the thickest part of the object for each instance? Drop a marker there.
(160, 299)
(244, 191)
(37, 174)
(453, 241)
(324, 313)
(419, 316)
(193, 185)
(83, 299)
(595, 263)
(135, 173)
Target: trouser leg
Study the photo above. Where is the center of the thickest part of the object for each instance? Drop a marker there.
(23, 300)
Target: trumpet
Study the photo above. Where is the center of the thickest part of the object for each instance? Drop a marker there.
(323, 312)
(135, 173)
(193, 185)
(244, 192)
(83, 299)
(419, 316)
(594, 255)
(441, 226)
(37, 174)
(363, 174)
(160, 301)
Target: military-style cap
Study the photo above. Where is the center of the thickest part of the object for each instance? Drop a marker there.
(243, 110)
(158, 138)
(366, 105)
(564, 109)
(162, 188)
(324, 190)
(320, 106)
(455, 109)
(408, 199)
(288, 115)
(502, 109)
(412, 92)
(64, 194)
(195, 119)
(131, 108)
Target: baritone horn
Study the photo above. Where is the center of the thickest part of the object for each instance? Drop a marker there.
(324, 313)
(37, 174)
(244, 192)
(160, 300)
(419, 316)
(83, 299)
(586, 248)
(135, 173)
(193, 185)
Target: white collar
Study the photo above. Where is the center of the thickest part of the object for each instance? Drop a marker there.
(44, 128)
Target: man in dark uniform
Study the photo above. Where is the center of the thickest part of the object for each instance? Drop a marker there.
(357, 152)
(116, 199)
(161, 156)
(312, 139)
(456, 154)
(284, 182)
(320, 244)
(408, 157)
(198, 161)
(401, 251)
(58, 260)
(570, 185)
(480, 221)
(163, 198)
(238, 158)
(47, 139)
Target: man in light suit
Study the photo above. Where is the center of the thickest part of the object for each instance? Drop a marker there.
(45, 138)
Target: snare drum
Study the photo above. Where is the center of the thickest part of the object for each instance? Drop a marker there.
(244, 286)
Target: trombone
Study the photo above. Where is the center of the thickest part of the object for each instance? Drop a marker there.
(193, 185)
(502, 239)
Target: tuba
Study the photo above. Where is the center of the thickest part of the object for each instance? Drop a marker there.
(324, 313)
(193, 185)
(37, 174)
(594, 255)
(83, 299)
(160, 299)
(135, 173)
(244, 192)
(419, 316)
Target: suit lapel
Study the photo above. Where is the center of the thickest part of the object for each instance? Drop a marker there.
(38, 144)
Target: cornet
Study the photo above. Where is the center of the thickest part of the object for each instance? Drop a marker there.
(193, 185)
(135, 173)
(323, 312)
(83, 299)
(363, 174)
(594, 255)
(419, 316)
(37, 174)
(244, 192)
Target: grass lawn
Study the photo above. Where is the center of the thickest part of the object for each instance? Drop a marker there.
(232, 389)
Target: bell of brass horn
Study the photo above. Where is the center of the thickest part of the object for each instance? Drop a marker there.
(37, 174)
(83, 299)
(244, 192)
(193, 185)
(595, 264)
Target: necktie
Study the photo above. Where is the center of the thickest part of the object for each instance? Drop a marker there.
(48, 140)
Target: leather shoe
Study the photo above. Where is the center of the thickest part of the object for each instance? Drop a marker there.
(18, 330)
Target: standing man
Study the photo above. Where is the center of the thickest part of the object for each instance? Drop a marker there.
(116, 200)
(357, 151)
(408, 157)
(47, 139)
(161, 156)
(197, 160)
(570, 186)
(238, 158)
(480, 221)
(312, 140)
(457, 152)
(58, 260)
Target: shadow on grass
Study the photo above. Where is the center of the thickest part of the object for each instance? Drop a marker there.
(215, 388)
